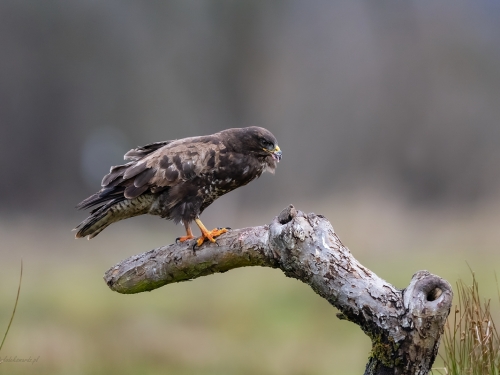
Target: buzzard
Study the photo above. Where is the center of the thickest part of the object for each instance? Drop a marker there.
(178, 179)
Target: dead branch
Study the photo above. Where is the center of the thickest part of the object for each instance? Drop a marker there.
(403, 325)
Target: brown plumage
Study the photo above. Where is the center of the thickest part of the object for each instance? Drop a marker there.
(178, 179)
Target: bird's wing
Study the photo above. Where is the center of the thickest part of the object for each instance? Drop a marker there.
(164, 164)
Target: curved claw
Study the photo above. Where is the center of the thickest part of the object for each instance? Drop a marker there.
(210, 236)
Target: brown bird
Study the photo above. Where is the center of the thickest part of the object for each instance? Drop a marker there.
(178, 179)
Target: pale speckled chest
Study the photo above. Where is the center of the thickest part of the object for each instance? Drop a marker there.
(222, 181)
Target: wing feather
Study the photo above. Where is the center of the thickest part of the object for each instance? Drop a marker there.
(133, 191)
(114, 173)
(156, 167)
(134, 170)
(183, 160)
(143, 178)
(139, 152)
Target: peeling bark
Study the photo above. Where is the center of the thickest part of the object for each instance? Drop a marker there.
(403, 325)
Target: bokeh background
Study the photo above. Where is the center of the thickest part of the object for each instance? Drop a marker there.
(388, 114)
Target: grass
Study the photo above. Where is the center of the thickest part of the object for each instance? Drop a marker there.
(247, 321)
(14, 310)
(471, 343)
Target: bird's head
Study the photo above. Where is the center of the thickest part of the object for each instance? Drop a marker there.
(260, 142)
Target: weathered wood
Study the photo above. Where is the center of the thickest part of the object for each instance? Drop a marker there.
(403, 325)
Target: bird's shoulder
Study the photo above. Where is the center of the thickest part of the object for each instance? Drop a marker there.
(184, 159)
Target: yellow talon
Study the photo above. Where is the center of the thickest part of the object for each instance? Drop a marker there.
(206, 235)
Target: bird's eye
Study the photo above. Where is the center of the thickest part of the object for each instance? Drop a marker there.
(267, 144)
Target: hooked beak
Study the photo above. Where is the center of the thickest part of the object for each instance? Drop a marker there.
(276, 153)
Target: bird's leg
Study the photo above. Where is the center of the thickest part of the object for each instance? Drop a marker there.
(206, 234)
(189, 234)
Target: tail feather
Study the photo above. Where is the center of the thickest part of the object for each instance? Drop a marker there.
(105, 195)
(111, 212)
(94, 224)
(124, 193)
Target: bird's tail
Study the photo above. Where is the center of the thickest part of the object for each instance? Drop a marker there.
(111, 212)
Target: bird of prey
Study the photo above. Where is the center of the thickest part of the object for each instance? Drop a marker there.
(178, 179)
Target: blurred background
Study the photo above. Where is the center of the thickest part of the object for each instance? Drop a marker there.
(388, 115)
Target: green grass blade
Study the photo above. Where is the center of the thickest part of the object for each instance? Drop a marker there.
(15, 307)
